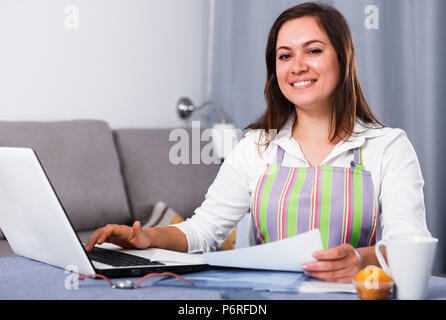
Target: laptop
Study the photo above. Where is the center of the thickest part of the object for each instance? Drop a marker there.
(37, 226)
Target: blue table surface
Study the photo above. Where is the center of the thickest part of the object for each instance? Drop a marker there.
(25, 279)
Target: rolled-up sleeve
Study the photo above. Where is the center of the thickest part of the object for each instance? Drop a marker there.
(401, 195)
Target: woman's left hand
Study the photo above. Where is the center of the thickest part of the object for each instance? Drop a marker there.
(338, 264)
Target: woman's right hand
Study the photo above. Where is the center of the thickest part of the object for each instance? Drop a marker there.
(121, 235)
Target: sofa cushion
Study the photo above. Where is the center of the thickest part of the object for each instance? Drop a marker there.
(150, 176)
(81, 162)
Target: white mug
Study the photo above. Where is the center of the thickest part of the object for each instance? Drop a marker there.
(410, 264)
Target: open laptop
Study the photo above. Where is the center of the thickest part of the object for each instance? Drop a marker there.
(36, 226)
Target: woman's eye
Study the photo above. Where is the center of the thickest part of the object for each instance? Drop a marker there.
(284, 56)
(314, 51)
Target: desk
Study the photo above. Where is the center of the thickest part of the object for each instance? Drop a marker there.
(22, 278)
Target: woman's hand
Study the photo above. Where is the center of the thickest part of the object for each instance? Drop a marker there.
(121, 235)
(339, 264)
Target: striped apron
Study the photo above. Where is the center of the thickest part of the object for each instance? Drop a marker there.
(338, 201)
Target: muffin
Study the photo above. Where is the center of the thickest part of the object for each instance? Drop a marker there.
(372, 283)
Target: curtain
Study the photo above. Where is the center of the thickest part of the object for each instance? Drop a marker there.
(400, 58)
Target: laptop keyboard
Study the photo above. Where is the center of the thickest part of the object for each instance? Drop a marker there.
(119, 259)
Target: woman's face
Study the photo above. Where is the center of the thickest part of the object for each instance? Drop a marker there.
(307, 66)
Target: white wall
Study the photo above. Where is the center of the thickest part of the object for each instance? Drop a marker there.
(128, 61)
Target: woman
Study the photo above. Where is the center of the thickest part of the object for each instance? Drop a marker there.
(318, 158)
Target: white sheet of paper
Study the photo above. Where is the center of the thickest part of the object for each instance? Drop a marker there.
(284, 255)
(319, 286)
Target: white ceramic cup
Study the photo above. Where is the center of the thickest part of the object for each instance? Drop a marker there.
(410, 261)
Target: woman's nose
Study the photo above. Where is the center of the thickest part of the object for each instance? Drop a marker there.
(299, 66)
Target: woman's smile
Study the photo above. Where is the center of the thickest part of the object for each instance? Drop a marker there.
(302, 84)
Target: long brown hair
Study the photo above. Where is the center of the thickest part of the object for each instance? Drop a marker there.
(349, 102)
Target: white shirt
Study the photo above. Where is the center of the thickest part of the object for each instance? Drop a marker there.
(386, 152)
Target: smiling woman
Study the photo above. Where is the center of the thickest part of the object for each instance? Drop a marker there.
(331, 166)
(312, 42)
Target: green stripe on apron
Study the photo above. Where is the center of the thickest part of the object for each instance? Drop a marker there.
(264, 201)
(324, 222)
(293, 200)
(357, 208)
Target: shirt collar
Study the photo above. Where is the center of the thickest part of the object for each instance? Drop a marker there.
(361, 132)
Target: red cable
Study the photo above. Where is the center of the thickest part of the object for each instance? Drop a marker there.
(83, 276)
(163, 274)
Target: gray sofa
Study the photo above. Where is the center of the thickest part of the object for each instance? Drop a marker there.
(107, 176)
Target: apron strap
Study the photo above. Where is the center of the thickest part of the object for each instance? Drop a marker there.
(356, 155)
(357, 158)
(280, 153)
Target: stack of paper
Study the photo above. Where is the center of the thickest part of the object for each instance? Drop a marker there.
(276, 266)
(284, 255)
(317, 286)
(259, 280)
